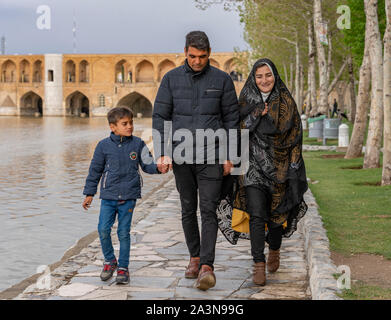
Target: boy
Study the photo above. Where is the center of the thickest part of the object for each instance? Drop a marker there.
(117, 158)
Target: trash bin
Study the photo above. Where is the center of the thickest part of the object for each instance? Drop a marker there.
(330, 129)
(304, 121)
(315, 126)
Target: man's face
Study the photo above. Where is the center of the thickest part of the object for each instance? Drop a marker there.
(197, 59)
(264, 79)
(123, 127)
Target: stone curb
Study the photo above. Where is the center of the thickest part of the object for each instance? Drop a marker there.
(308, 147)
(322, 283)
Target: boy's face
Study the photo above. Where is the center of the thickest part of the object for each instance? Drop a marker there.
(123, 127)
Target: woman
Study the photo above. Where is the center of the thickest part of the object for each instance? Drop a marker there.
(272, 189)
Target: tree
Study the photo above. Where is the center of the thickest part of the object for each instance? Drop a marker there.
(360, 122)
(375, 128)
(311, 69)
(357, 40)
(283, 30)
(386, 175)
(276, 35)
(322, 64)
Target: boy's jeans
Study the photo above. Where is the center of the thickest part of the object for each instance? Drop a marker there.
(108, 210)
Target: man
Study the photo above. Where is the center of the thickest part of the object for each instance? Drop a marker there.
(335, 108)
(197, 96)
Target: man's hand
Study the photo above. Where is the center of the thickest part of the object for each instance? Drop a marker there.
(87, 202)
(164, 163)
(265, 110)
(227, 167)
(163, 168)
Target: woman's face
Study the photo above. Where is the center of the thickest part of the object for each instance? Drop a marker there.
(264, 79)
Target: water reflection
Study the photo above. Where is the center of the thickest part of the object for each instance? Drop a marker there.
(43, 166)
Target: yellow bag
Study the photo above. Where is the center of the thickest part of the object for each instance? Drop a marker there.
(241, 221)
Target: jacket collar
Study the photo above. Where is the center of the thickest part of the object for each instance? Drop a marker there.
(118, 139)
(188, 69)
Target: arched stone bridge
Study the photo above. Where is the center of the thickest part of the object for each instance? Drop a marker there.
(71, 84)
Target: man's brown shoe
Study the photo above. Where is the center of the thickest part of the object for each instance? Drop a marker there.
(193, 268)
(206, 278)
(259, 274)
(273, 260)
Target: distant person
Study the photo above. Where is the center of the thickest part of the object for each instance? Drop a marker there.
(342, 114)
(117, 158)
(335, 108)
(304, 108)
(234, 75)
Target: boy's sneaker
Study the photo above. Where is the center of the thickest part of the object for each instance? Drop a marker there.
(122, 275)
(108, 270)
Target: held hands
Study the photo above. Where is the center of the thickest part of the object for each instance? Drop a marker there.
(265, 110)
(227, 166)
(87, 202)
(164, 164)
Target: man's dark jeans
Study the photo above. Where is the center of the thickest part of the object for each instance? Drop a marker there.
(258, 207)
(207, 178)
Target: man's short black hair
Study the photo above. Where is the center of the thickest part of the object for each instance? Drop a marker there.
(198, 40)
(117, 113)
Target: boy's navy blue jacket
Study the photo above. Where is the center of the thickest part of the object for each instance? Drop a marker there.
(117, 160)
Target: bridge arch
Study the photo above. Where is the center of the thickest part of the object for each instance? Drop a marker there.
(84, 71)
(137, 103)
(24, 71)
(229, 66)
(163, 67)
(30, 103)
(8, 71)
(37, 71)
(70, 71)
(123, 71)
(77, 103)
(144, 71)
(214, 63)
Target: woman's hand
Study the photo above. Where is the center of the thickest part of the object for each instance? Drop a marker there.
(265, 110)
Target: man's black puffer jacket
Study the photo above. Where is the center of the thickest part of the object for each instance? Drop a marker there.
(195, 100)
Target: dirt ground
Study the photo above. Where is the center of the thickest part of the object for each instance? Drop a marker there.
(371, 269)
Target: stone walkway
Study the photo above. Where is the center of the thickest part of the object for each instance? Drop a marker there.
(158, 260)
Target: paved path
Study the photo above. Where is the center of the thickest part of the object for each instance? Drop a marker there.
(158, 260)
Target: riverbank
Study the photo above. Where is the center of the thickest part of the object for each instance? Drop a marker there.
(143, 208)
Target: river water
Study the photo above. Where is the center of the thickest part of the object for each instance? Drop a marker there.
(43, 166)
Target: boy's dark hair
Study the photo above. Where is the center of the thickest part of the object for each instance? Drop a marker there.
(118, 113)
(198, 40)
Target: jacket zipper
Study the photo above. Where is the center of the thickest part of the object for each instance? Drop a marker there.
(105, 179)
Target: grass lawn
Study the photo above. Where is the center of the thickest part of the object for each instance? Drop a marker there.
(356, 213)
(361, 291)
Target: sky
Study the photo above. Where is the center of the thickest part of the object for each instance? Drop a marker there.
(115, 26)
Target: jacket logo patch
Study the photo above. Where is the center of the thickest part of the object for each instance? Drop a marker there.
(133, 155)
